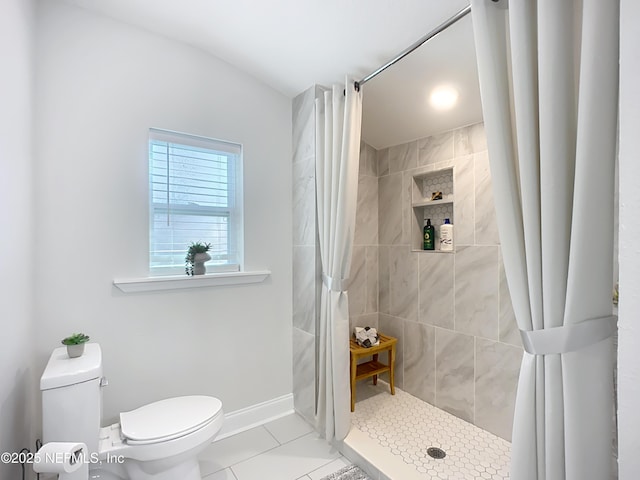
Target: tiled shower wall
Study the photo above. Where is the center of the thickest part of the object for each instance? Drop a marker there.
(305, 254)
(458, 347)
(363, 287)
(363, 290)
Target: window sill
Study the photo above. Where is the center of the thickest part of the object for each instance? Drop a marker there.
(175, 282)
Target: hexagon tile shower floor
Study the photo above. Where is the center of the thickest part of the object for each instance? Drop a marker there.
(408, 427)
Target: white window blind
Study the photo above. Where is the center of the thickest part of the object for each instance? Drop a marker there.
(195, 196)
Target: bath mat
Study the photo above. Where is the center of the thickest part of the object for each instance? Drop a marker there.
(352, 472)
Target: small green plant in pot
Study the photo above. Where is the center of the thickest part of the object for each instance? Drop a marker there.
(196, 256)
(75, 344)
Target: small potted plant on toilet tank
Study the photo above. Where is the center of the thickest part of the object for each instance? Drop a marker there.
(75, 344)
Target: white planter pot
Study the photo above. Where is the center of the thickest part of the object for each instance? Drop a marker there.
(75, 351)
(198, 263)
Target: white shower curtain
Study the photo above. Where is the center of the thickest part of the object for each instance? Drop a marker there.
(549, 79)
(338, 125)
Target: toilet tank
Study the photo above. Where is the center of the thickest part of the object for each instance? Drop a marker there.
(72, 397)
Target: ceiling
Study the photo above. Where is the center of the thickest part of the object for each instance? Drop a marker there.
(293, 44)
(396, 105)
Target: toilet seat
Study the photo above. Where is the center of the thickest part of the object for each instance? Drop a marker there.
(193, 430)
(168, 419)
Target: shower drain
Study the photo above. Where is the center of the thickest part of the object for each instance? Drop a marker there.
(435, 452)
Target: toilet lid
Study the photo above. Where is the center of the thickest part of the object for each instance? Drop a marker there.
(168, 419)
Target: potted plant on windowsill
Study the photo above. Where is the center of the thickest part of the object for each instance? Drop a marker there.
(75, 344)
(196, 257)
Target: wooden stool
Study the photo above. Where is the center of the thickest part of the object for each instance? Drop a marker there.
(373, 367)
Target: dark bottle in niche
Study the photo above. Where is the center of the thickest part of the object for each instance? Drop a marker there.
(429, 235)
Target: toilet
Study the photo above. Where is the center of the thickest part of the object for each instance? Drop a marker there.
(158, 441)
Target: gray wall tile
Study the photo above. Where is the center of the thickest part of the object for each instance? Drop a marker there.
(509, 332)
(362, 165)
(476, 291)
(371, 260)
(372, 161)
(464, 207)
(394, 327)
(384, 296)
(408, 216)
(436, 290)
(469, 140)
(497, 370)
(304, 202)
(304, 125)
(454, 373)
(420, 361)
(434, 149)
(304, 373)
(485, 211)
(403, 279)
(304, 274)
(366, 232)
(403, 157)
(382, 159)
(357, 282)
(368, 163)
(390, 209)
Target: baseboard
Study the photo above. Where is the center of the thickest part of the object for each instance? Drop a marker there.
(255, 415)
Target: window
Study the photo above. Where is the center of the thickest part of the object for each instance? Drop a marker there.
(194, 196)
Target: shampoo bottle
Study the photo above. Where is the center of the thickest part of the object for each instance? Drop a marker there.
(429, 235)
(446, 236)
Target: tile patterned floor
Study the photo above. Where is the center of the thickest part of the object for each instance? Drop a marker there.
(285, 449)
(406, 426)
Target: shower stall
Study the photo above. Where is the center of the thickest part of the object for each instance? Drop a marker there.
(458, 346)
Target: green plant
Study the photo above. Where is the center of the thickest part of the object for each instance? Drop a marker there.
(194, 248)
(75, 339)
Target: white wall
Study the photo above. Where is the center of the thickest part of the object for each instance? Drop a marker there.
(629, 307)
(101, 85)
(16, 231)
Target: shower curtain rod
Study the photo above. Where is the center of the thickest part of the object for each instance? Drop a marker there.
(443, 26)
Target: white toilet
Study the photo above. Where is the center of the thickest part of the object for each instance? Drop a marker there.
(159, 441)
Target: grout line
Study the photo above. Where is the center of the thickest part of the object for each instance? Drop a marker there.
(499, 293)
(453, 309)
(435, 366)
(473, 161)
(272, 435)
(475, 343)
(233, 473)
(325, 464)
(419, 308)
(257, 454)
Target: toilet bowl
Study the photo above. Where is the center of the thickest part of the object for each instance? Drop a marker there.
(158, 441)
(161, 440)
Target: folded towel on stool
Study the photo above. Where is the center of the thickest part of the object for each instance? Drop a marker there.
(367, 336)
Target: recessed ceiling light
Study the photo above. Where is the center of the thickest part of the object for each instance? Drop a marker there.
(443, 97)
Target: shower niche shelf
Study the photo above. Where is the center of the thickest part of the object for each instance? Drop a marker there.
(425, 183)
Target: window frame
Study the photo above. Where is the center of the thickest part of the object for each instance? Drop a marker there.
(234, 211)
